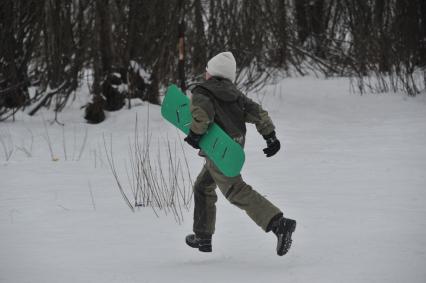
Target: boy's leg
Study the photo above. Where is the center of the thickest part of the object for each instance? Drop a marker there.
(261, 210)
(204, 203)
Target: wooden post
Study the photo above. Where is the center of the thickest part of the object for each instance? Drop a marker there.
(181, 63)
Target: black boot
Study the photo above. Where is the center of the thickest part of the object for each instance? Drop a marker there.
(283, 228)
(201, 242)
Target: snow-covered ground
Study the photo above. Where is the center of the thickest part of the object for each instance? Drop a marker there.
(352, 173)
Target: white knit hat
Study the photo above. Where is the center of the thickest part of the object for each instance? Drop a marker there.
(222, 65)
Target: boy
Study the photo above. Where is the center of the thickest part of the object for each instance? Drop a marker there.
(218, 100)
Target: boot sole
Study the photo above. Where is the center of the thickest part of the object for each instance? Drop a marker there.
(285, 241)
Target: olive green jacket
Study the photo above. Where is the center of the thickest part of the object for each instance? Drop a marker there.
(218, 100)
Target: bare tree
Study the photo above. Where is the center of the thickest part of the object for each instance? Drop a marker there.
(49, 44)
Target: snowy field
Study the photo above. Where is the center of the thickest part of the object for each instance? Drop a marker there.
(352, 173)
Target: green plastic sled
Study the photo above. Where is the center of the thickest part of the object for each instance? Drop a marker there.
(220, 148)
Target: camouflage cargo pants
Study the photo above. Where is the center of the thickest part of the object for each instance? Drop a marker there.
(258, 208)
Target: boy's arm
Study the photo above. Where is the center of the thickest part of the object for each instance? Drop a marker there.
(202, 111)
(255, 114)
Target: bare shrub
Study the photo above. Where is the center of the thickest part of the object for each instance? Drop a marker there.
(27, 149)
(46, 137)
(7, 145)
(161, 181)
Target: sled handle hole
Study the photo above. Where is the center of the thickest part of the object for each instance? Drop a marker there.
(224, 152)
(215, 142)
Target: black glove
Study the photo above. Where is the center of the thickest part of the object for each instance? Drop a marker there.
(272, 143)
(193, 139)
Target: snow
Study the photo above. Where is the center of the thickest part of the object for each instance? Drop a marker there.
(352, 173)
(136, 67)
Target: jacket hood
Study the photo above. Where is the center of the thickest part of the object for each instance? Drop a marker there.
(221, 89)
